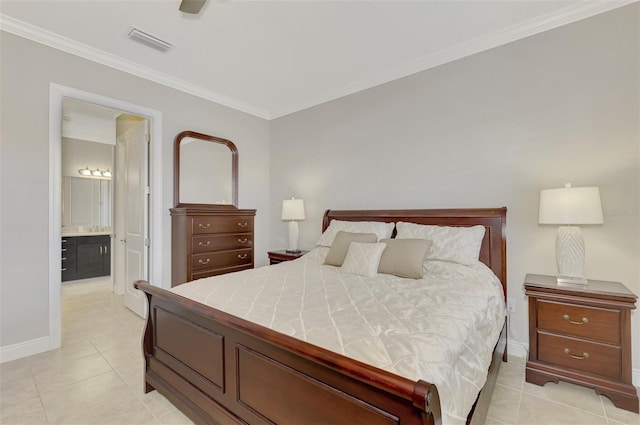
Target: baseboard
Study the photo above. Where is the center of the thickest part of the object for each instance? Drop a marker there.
(24, 349)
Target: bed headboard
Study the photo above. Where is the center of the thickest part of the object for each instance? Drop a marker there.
(493, 251)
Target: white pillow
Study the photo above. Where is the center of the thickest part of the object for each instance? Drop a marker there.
(455, 244)
(363, 258)
(382, 230)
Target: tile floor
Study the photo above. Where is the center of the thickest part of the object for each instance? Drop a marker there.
(96, 377)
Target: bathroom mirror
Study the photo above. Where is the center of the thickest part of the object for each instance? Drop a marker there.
(205, 171)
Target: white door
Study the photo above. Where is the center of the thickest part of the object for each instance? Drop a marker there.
(136, 215)
(120, 182)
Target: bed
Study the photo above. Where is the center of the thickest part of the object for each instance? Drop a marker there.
(220, 368)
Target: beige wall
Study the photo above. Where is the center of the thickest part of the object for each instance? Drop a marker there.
(486, 131)
(27, 69)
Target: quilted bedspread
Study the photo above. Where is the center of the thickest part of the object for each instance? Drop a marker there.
(441, 328)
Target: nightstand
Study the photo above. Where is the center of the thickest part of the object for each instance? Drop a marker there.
(581, 334)
(276, 257)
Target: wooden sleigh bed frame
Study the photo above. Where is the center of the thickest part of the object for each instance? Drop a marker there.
(218, 368)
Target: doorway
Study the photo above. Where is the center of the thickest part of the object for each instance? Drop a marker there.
(153, 204)
(105, 165)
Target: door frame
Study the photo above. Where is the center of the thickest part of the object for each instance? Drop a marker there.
(56, 93)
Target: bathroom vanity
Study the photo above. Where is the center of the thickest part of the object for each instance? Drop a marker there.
(86, 256)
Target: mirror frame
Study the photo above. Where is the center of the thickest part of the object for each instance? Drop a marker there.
(176, 169)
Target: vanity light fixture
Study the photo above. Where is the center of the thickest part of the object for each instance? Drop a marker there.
(94, 173)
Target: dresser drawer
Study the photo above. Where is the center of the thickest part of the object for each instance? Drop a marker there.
(588, 322)
(213, 242)
(587, 356)
(68, 246)
(217, 272)
(214, 260)
(232, 224)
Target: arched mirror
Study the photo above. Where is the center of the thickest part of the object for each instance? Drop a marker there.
(205, 171)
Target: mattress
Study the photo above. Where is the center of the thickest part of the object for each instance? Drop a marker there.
(441, 328)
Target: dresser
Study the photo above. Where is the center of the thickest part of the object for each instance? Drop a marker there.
(581, 334)
(210, 241)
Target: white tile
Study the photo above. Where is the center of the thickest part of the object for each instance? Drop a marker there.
(175, 418)
(619, 415)
(572, 395)
(69, 401)
(535, 411)
(504, 404)
(129, 411)
(70, 372)
(27, 412)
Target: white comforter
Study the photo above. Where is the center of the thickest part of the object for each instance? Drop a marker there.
(441, 328)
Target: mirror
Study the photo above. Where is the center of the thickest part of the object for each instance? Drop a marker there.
(205, 171)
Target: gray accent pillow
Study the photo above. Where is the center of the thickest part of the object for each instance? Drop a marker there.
(340, 246)
(404, 257)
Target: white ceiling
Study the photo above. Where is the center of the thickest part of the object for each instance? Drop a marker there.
(272, 58)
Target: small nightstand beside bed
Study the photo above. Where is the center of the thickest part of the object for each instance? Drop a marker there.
(376, 350)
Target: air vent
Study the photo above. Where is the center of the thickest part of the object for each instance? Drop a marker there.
(149, 40)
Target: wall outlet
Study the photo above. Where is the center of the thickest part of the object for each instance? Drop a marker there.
(511, 306)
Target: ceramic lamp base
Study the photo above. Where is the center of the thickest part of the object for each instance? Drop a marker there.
(570, 254)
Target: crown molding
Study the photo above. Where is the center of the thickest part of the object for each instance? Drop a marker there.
(48, 38)
(558, 18)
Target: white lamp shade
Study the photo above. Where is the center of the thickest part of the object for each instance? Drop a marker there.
(570, 205)
(293, 209)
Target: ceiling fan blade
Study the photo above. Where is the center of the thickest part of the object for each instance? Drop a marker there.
(192, 6)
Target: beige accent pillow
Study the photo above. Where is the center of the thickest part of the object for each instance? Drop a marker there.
(340, 246)
(363, 258)
(404, 257)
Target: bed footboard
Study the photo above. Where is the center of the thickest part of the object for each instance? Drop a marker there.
(218, 368)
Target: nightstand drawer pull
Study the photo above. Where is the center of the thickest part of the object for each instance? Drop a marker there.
(581, 322)
(245, 224)
(204, 226)
(204, 244)
(242, 257)
(243, 240)
(573, 356)
(204, 261)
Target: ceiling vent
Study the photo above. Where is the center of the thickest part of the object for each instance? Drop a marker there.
(149, 40)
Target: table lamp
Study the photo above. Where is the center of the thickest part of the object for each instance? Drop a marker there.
(570, 207)
(293, 210)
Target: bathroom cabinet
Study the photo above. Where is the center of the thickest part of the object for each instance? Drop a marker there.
(86, 256)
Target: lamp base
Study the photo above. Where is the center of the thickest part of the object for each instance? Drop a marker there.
(568, 280)
(570, 253)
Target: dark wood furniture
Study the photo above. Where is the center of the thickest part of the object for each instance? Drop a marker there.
(276, 257)
(581, 334)
(217, 367)
(210, 241)
(85, 256)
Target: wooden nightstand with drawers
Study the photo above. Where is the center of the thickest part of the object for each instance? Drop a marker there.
(276, 257)
(581, 334)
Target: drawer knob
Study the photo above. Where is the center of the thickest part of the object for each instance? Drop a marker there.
(243, 240)
(581, 322)
(204, 261)
(243, 224)
(573, 356)
(204, 226)
(204, 244)
(242, 256)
